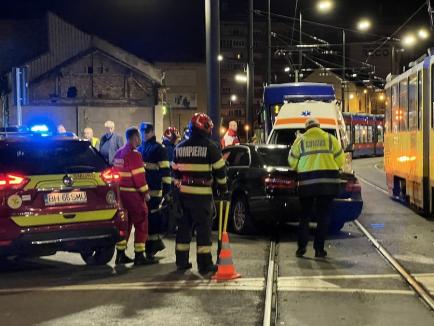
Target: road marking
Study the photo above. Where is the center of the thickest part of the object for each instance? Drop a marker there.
(246, 284)
(346, 290)
(372, 185)
(378, 168)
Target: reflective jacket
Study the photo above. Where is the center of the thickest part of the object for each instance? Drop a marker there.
(95, 142)
(317, 156)
(197, 162)
(128, 162)
(157, 167)
(170, 147)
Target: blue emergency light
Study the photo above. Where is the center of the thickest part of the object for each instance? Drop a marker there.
(39, 128)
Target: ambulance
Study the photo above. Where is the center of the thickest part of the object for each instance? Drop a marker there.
(288, 106)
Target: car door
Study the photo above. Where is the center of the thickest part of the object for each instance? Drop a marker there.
(238, 160)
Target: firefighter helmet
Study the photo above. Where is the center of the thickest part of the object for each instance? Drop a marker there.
(202, 122)
(171, 134)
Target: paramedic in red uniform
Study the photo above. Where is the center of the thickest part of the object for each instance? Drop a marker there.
(134, 195)
(230, 138)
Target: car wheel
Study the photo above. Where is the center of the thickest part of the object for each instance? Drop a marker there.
(336, 226)
(241, 219)
(100, 256)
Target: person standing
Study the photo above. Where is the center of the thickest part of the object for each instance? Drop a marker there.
(134, 195)
(170, 139)
(196, 164)
(110, 142)
(88, 134)
(317, 156)
(158, 173)
(230, 138)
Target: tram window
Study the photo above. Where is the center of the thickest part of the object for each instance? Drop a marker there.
(412, 103)
(395, 108)
(403, 105)
(370, 135)
(350, 135)
(419, 100)
(357, 133)
(365, 134)
(388, 112)
(380, 134)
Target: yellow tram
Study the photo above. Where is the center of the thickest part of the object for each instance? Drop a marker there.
(409, 135)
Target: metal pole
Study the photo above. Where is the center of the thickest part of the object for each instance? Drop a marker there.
(269, 43)
(19, 101)
(300, 53)
(212, 26)
(250, 70)
(343, 71)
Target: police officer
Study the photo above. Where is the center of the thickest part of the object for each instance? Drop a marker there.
(170, 139)
(317, 156)
(159, 181)
(197, 162)
(134, 195)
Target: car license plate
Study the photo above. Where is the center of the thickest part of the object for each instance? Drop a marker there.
(65, 198)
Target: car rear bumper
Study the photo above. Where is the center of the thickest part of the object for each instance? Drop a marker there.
(274, 208)
(47, 240)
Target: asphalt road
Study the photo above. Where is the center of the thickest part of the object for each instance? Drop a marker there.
(353, 286)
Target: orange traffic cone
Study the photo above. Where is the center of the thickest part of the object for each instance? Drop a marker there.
(226, 269)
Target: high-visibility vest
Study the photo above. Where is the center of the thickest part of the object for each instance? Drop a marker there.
(317, 156)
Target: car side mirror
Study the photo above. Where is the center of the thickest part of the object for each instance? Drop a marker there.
(349, 148)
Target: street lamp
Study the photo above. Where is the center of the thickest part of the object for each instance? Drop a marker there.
(286, 69)
(423, 34)
(364, 24)
(220, 58)
(325, 5)
(409, 40)
(233, 97)
(247, 128)
(240, 78)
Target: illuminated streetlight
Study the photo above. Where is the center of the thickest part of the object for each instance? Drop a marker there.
(222, 130)
(409, 40)
(364, 24)
(233, 97)
(365, 91)
(381, 97)
(220, 57)
(286, 69)
(247, 128)
(423, 34)
(325, 5)
(351, 96)
(241, 78)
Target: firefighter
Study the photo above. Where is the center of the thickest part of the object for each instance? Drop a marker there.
(170, 139)
(159, 180)
(317, 156)
(197, 162)
(134, 195)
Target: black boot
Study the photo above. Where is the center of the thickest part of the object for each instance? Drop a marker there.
(182, 263)
(140, 259)
(153, 247)
(320, 253)
(301, 251)
(205, 264)
(122, 258)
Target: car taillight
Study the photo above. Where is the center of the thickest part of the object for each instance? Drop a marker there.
(353, 186)
(110, 176)
(279, 183)
(12, 181)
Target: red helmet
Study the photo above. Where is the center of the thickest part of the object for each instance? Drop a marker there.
(202, 122)
(172, 134)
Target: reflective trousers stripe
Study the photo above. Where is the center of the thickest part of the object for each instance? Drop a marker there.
(156, 193)
(219, 164)
(121, 245)
(151, 166)
(131, 189)
(154, 237)
(203, 249)
(167, 180)
(196, 190)
(163, 164)
(139, 247)
(221, 181)
(183, 247)
(138, 171)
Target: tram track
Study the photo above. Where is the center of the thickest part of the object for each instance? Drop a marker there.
(271, 287)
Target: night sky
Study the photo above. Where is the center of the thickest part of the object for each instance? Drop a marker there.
(159, 30)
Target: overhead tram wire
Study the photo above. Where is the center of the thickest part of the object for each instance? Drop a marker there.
(264, 13)
(293, 22)
(395, 32)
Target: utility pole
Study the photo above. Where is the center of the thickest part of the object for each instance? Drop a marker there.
(343, 71)
(300, 51)
(269, 43)
(212, 26)
(250, 72)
